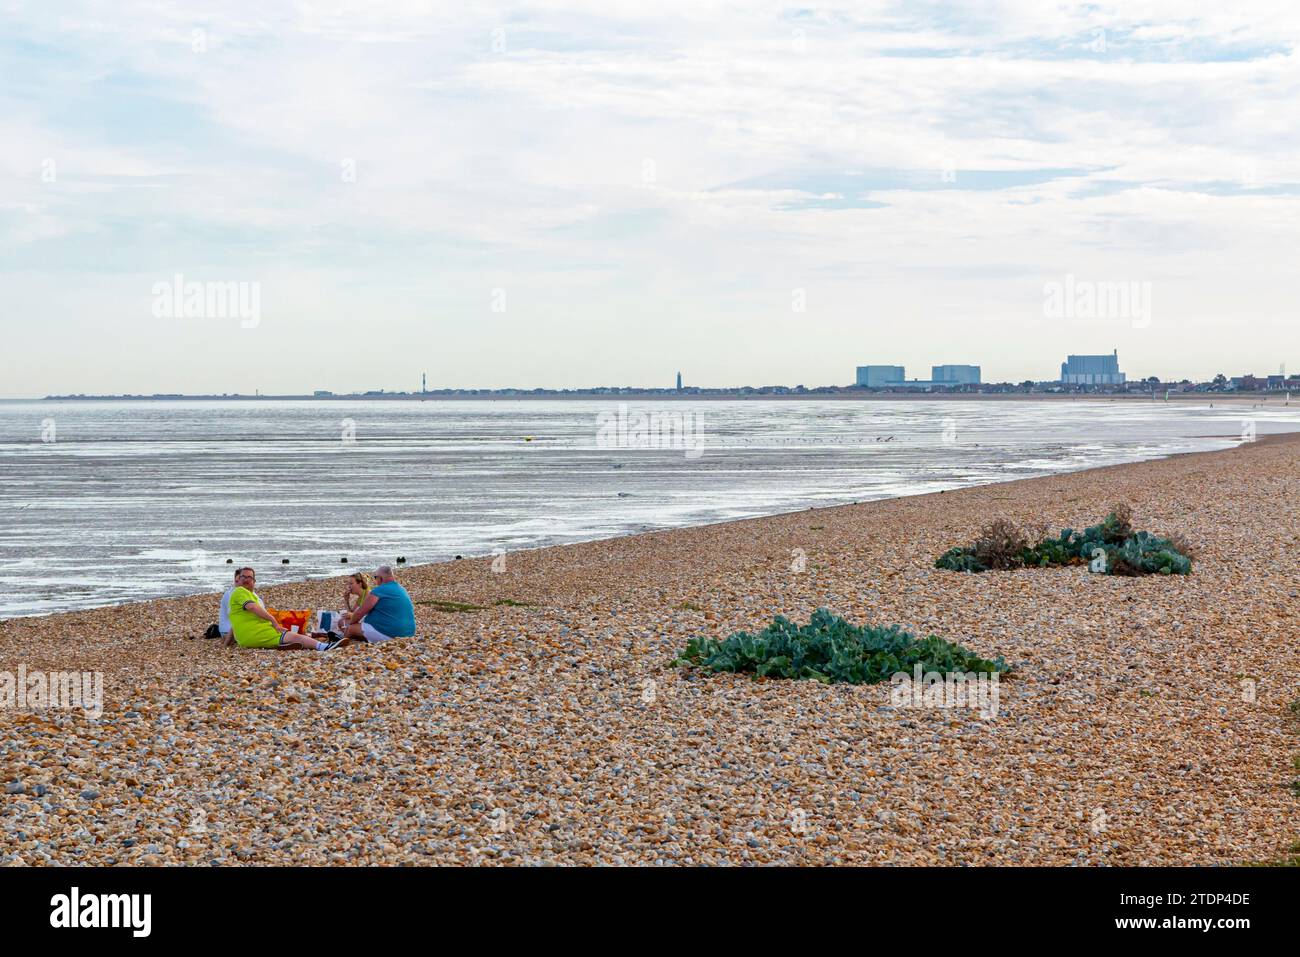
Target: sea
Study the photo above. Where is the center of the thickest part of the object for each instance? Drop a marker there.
(107, 501)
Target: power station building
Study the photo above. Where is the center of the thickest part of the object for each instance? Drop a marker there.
(880, 377)
(895, 377)
(1092, 370)
(955, 375)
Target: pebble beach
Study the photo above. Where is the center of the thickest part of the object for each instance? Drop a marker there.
(537, 720)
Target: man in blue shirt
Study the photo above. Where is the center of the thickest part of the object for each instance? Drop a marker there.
(386, 613)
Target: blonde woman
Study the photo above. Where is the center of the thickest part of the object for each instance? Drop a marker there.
(354, 593)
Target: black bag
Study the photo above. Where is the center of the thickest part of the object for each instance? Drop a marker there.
(212, 632)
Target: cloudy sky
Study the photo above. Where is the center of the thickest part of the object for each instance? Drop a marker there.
(580, 194)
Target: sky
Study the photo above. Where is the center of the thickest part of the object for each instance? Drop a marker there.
(567, 195)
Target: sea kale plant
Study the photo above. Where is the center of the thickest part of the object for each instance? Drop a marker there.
(830, 649)
(1112, 548)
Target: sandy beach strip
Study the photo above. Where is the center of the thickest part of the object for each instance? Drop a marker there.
(1148, 721)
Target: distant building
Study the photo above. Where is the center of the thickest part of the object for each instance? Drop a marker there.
(1092, 370)
(322, 392)
(880, 377)
(955, 375)
(679, 382)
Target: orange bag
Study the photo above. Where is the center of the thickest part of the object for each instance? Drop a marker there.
(299, 618)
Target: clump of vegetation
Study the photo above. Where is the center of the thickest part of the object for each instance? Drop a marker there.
(1000, 545)
(1112, 547)
(440, 604)
(830, 649)
(960, 560)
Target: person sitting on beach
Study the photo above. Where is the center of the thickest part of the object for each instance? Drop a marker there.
(387, 611)
(354, 596)
(253, 625)
(223, 613)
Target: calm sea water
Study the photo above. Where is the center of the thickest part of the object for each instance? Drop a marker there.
(103, 502)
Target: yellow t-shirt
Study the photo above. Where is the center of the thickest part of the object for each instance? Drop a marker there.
(250, 631)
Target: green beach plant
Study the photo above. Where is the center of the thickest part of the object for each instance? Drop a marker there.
(1112, 547)
(960, 559)
(830, 649)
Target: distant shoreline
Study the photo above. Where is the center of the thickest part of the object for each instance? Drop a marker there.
(910, 395)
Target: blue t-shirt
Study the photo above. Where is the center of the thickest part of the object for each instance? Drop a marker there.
(394, 613)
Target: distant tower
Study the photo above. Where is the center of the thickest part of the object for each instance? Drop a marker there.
(679, 382)
(422, 383)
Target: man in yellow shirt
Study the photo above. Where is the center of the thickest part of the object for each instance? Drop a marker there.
(253, 625)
